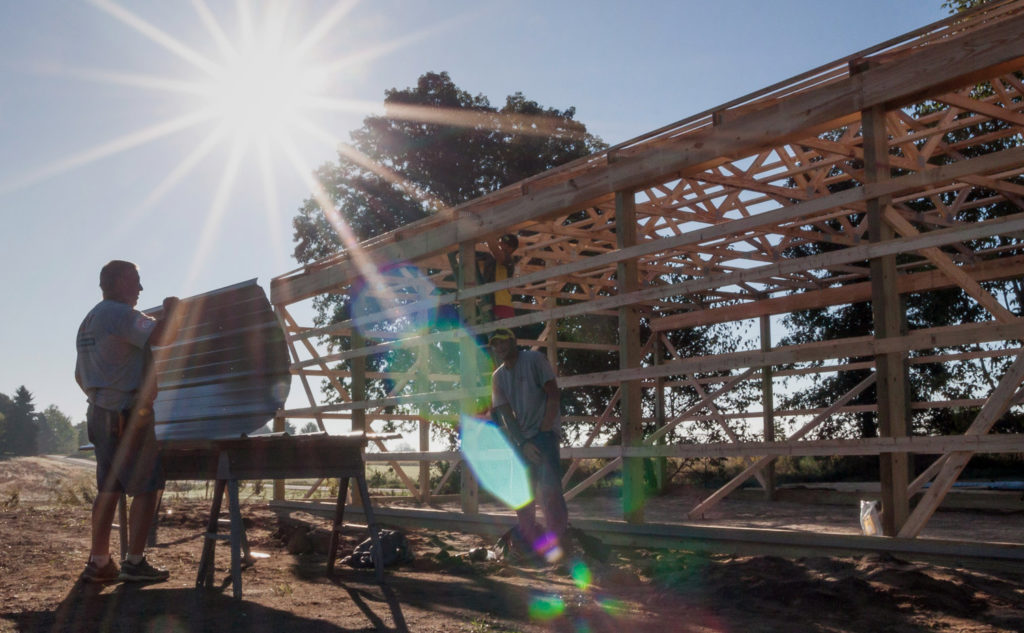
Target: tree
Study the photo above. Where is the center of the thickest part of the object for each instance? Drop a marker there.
(81, 434)
(20, 424)
(6, 406)
(439, 147)
(945, 307)
(959, 6)
(56, 434)
(436, 147)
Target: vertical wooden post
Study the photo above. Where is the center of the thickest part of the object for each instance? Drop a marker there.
(358, 385)
(628, 280)
(422, 386)
(660, 463)
(552, 336)
(470, 372)
(768, 406)
(888, 317)
(357, 389)
(279, 489)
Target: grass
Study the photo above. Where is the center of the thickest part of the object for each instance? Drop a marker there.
(12, 501)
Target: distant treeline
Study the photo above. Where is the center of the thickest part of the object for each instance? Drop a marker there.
(25, 431)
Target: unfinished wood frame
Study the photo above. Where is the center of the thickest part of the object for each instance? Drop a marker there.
(859, 180)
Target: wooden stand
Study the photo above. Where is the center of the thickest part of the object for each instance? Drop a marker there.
(278, 457)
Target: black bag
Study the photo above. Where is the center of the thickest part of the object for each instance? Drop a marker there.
(394, 551)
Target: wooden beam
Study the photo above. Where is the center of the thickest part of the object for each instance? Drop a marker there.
(1006, 268)
(764, 462)
(1001, 443)
(998, 402)
(284, 319)
(996, 161)
(358, 384)
(1004, 225)
(888, 317)
(612, 466)
(925, 445)
(468, 368)
(628, 281)
(595, 430)
(718, 539)
(943, 262)
(808, 352)
(441, 396)
(422, 385)
(925, 71)
(768, 406)
(706, 399)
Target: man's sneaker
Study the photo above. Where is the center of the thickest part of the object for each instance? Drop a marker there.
(142, 571)
(95, 573)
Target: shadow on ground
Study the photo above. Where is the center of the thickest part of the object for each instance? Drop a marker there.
(131, 608)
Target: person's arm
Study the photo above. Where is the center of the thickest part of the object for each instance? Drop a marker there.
(504, 416)
(166, 329)
(551, 409)
(507, 418)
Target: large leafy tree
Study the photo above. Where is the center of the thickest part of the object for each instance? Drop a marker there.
(436, 146)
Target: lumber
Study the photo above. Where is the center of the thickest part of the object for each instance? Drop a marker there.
(995, 49)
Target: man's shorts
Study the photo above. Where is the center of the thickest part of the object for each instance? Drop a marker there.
(128, 458)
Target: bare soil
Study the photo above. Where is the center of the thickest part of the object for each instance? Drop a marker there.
(44, 534)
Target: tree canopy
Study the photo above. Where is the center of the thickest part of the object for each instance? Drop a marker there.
(435, 147)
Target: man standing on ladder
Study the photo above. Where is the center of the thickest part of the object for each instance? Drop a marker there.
(113, 346)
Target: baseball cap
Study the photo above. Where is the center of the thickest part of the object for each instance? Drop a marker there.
(501, 335)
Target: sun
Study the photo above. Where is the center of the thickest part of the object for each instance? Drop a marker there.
(260, 81)
(263, 91)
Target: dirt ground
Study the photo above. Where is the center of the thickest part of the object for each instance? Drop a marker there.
(44, 535)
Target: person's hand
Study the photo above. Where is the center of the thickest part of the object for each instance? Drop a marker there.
(531, 453)
(170, 303)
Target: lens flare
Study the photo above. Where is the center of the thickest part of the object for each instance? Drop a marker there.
(612, 606)
(547, 545)
(496, 465)
(398, 302)
(545, 608)
(581, 575)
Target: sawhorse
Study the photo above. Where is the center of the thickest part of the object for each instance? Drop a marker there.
(277, 457)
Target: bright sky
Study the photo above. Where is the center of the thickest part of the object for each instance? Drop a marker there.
(133, 130)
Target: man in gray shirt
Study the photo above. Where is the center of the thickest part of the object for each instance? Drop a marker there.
(113, 346)
(525, 401)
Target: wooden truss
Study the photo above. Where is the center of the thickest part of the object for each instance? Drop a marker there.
(856, 181)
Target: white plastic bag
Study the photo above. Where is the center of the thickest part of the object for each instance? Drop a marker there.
(870, 521)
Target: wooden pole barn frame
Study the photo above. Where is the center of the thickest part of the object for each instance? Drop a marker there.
(699, 223)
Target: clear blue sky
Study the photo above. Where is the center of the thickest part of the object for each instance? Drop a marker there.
(102, 155)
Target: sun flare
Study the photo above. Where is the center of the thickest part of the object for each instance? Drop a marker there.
(259, 83)
(263, 92)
